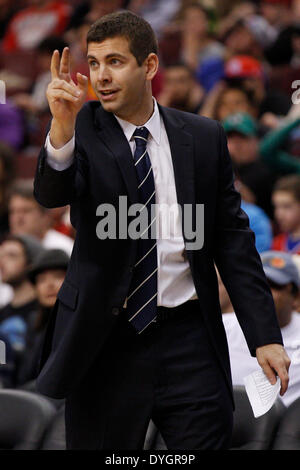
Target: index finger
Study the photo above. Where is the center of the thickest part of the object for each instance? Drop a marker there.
(54, 67)
(65, 61)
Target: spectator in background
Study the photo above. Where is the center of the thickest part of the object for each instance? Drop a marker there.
(243, 145)
(277, 13)
(7, 10)
(248, 36)
(260, 224)
(32, 24)
(283, 278)
(286, 200)
(279, 160)
(47, 275)
(12, 126)
(26, 216)
(224, 100)
(180, 90)
(197, 43)
(157, 12)
(36, 101)
(17, 254)
(7, 174)
(248, 73)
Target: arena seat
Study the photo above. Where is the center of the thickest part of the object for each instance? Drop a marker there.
(288, 433)
(31, 387)
(24, 418)
(254, 433)
(55, 437)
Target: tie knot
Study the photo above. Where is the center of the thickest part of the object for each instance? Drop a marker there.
(141, 136)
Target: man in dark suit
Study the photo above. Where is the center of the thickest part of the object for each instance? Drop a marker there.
(137, 332)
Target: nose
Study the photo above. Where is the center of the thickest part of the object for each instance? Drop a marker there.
(104, 75)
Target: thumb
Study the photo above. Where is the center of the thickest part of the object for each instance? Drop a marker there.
(82, 82)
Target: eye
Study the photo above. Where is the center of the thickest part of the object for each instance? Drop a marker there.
(115, 61)
(92, 63)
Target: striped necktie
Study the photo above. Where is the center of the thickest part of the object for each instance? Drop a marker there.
(142, 294)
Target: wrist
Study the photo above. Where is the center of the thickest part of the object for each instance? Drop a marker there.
(60, 134)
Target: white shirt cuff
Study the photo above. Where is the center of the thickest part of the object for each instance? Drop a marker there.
(62, 158)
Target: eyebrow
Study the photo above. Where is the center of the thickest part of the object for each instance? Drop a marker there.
(109, 56)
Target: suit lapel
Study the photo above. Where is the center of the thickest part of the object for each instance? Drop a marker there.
(181, 145)
(113, 137)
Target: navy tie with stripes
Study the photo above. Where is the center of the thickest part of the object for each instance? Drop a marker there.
(142, 295)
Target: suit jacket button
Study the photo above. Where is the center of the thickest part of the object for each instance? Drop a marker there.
(115, 311)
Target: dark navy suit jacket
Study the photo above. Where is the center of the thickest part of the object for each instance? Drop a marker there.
(100, 271)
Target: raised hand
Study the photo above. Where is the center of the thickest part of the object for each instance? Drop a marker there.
(65, 98)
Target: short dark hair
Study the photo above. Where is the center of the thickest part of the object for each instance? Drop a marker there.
(136, 30)
(290, 184)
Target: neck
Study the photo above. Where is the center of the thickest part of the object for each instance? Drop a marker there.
(23, 293)
(142, 113)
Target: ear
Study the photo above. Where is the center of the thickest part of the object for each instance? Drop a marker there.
(151, 64)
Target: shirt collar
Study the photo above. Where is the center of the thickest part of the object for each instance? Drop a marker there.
(153, 125)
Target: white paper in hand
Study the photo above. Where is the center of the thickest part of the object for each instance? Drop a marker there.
(261, 393)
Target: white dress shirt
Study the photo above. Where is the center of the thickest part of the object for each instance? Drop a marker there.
(242, 364)
(175, 283)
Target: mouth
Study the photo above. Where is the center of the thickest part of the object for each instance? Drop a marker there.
(107, 95)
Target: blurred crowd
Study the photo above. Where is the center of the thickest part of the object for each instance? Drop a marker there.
(234, 61)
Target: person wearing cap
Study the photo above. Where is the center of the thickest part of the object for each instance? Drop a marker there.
(17, 253)
(243, 146)
(283, 277)
(248, 72)
(46, 275)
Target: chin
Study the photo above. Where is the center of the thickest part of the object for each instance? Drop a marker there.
(110, 107)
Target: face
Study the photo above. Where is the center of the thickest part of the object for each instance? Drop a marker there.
(240, 41)
(13, 262)
(271, 12)
(178, 82)
(242, 149)
(26, 217)
(286, 211)
(47, 286)
(195, 21)
(121, 85)
(232, 101)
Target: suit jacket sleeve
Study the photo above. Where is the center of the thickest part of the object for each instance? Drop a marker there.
(239, 263)
(57, 188)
